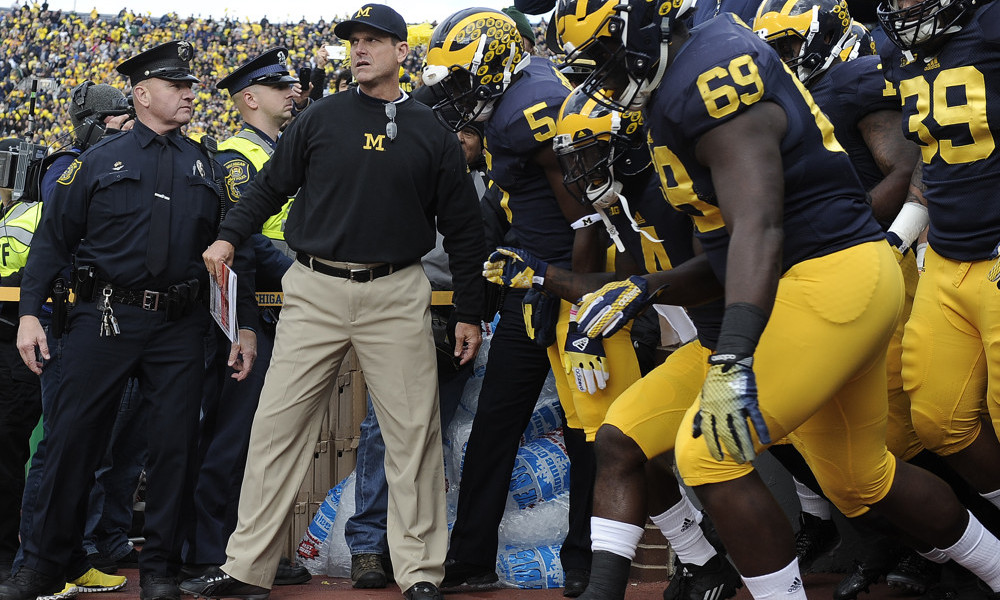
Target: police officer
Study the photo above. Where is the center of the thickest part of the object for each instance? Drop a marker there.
(20, 398)
(264, 92)
(139, 207)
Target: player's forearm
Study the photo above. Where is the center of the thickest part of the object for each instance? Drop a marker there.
(570, 285)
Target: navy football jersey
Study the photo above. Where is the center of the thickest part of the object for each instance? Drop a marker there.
(705, 10)
(847, 93)
(674, 230)
(722, 71)
(951, 108)
(523, 121)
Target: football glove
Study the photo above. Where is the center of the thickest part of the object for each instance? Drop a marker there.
(994, 273)
(728, 399)
(541, 313)
(585, 360)
(607, 310)
(513, 267)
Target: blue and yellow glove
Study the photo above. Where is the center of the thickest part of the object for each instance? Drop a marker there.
(607, 310)
(541, 313)
(513, 267)
(993, 274)
(728, 399)
(585, 360)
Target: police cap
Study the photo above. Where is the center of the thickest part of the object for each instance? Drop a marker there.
(269, 68)
(167, 61)
(376, 16)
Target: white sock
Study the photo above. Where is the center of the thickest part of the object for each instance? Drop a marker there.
(812, 502)
(679, 525)
(785, 584)
(993, 497)
(935, 555)
(977, 550)
(614, 536)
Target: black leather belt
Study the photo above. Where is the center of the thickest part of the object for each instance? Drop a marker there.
(144, 299)
(361, 275)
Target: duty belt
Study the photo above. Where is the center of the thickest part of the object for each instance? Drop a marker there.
(145, 299)
(360, 275)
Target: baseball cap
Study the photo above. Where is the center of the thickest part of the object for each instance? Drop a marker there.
(376, 16)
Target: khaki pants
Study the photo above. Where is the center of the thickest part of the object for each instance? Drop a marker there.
(387, 321)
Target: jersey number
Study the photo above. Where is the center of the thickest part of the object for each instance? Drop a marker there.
(544, 127)
(678, 189)
(724, 99)
(966, 88)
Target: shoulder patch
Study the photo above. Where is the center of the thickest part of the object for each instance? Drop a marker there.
(70, 173)
(237, 174)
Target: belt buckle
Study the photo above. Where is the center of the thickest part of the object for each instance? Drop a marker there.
(354, 275)
(150, 300)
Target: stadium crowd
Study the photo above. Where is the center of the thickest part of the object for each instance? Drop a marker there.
(71, 48)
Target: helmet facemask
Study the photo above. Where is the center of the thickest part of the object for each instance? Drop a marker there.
(924, 24)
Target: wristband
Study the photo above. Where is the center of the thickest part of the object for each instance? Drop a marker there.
(591, 219)
(742, 325)
(911, 220)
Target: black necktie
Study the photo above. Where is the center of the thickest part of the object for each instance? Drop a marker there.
(159, 221)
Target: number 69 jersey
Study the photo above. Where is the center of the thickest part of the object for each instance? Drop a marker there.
(721, 72)
(951, 109)
(523, 121)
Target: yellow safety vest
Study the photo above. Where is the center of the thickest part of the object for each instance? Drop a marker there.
(243, 142)
(16, 230)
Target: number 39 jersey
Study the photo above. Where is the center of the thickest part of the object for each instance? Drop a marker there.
(720, 73)
(523, 121)
(951, 108)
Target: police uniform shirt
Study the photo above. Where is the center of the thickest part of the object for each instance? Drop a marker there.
(718, 74)
(847, 93)
(523, 121)
(951, 109)
(271, 263)
(104, 201)
(362, 197)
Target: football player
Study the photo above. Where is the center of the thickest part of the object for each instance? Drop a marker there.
(476, 61)
(812, 290)
(605, 163)
(813, 37)
(945, 61)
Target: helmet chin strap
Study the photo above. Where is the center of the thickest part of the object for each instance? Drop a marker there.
(606, 195)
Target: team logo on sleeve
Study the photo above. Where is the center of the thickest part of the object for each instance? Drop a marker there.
(70, 173)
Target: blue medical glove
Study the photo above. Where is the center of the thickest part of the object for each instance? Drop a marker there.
(728, 399)
(585, 360)
(513, 267)
(607, 310)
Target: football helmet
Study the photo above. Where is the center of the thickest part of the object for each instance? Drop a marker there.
(628, 42)
(591, 138)
(471, 59)
(864, 44)
(925, 24)
(809, 35)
